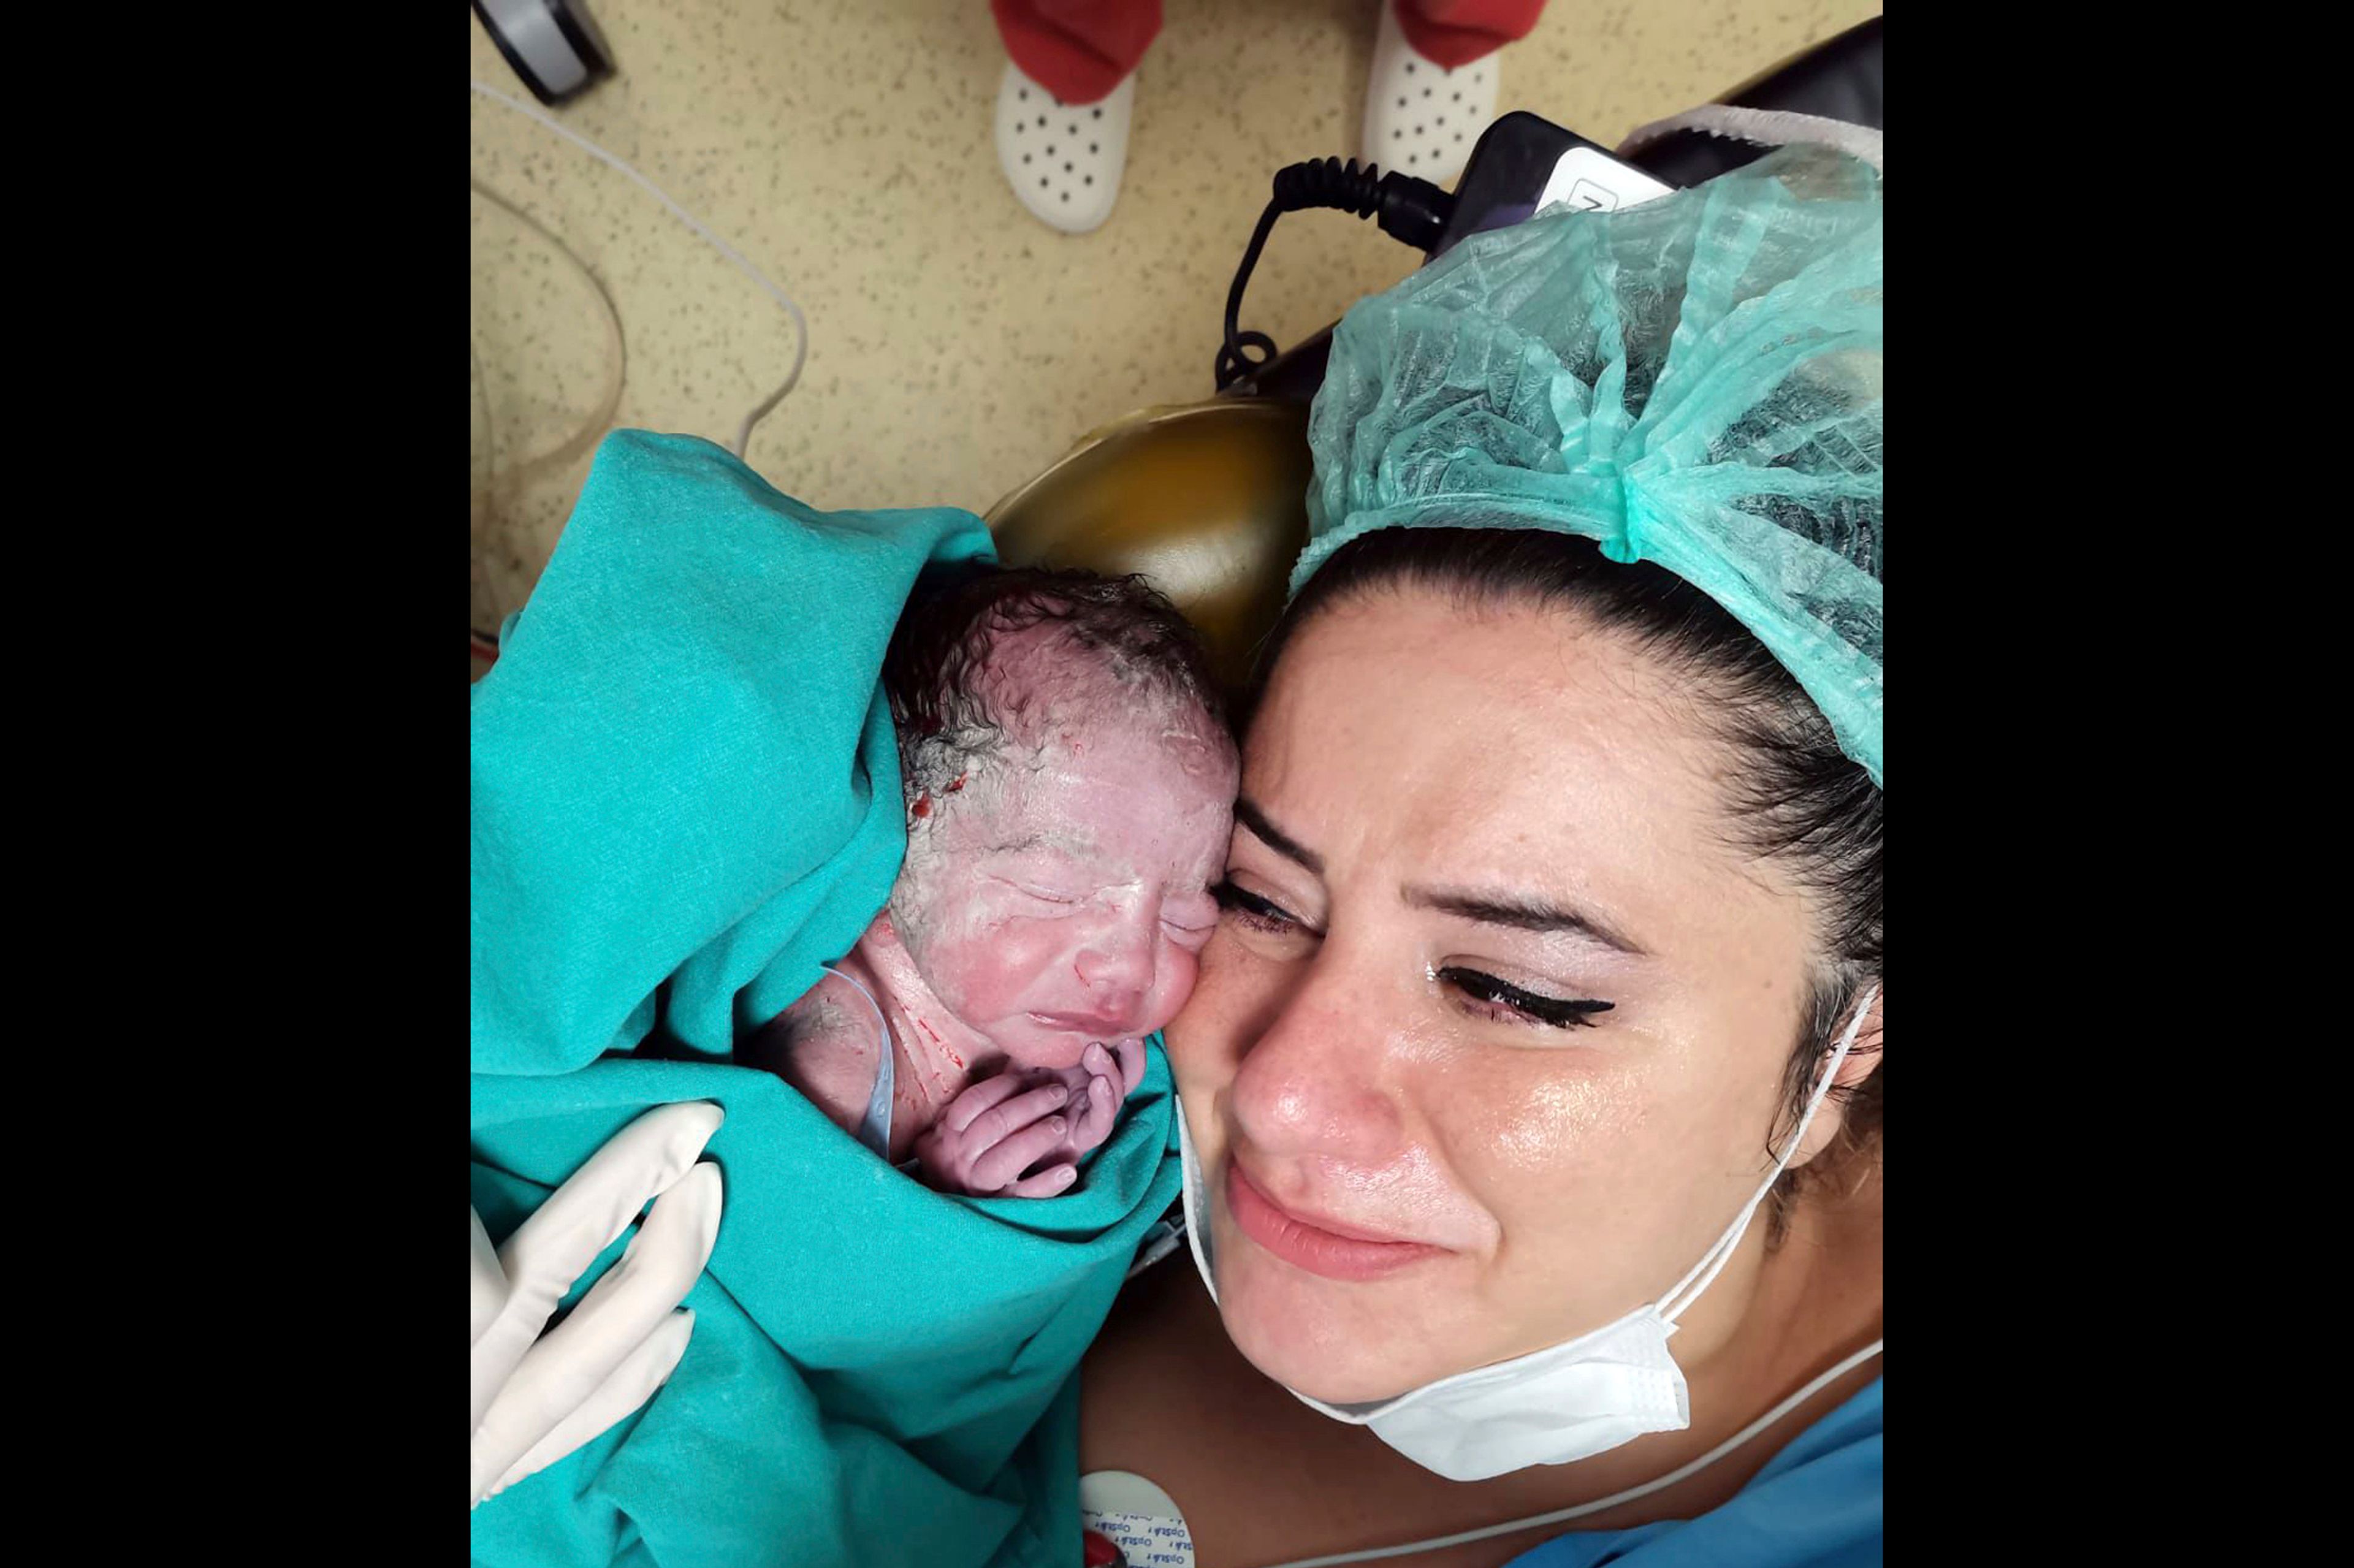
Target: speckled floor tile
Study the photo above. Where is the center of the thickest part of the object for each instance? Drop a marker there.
(957, 344)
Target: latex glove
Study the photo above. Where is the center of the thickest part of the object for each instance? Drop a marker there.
(538, 1397)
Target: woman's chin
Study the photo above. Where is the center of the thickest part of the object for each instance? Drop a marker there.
(1292, 1331)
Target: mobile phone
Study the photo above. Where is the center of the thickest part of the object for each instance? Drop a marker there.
(1523, 164)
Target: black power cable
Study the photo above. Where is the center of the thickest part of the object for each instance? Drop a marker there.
(1410, 209)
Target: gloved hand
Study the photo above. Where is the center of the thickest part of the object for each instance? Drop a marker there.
(538, 1397)
(1003, 1127)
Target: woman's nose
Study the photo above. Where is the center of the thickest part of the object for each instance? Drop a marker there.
(1312, 1085)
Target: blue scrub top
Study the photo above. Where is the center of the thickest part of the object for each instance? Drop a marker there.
(1816, 1505)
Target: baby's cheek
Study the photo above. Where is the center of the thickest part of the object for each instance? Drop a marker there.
(1172, 983)
(1000, 970)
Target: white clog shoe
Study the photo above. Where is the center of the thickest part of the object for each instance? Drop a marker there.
(1063, 160)
(1422, 118)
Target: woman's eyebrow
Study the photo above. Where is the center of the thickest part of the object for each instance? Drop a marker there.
(1522, 914)
(1247, 814)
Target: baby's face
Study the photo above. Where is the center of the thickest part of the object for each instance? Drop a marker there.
(1063, 896)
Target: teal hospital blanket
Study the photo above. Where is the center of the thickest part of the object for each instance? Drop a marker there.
(685, 798)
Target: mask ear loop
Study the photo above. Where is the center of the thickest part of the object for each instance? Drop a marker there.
(1672, 1305)
(1197, 1211)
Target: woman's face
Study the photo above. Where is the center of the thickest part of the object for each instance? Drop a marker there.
(1488, 1043)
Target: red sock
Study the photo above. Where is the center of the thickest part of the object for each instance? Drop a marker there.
(1078, 49)
(1456, 32)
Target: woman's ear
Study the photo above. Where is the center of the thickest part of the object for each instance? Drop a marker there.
(1861, 1061)
(1863, 1056)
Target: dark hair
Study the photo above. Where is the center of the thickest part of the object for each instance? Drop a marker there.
(931, 671)
(1799, 801)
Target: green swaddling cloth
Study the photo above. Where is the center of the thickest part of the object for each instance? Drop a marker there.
(684, 801)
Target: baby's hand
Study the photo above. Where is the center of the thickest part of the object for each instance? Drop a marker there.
(1003, 1127)
(994, 1131)
(1100, 1084)
(1107, 1078)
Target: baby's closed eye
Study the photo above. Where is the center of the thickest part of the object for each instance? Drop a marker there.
(1044, 895)
(1193, 914)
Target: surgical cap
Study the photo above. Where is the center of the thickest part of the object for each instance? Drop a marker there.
(1693, 381)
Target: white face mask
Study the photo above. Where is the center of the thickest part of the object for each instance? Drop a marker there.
(1552, 1406)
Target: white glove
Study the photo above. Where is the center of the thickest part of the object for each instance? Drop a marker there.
(537, 1399)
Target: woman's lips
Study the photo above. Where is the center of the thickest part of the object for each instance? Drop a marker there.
(1314, 1245)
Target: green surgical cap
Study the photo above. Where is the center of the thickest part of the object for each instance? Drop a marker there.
(1693, 381)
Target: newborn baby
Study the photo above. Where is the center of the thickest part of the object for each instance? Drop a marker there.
(1069, 785)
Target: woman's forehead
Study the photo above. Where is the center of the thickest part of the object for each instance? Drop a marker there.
(1504, 743)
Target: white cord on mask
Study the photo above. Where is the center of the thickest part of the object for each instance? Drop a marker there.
(1703, 1273)
(1563, 1515)
(800, 322)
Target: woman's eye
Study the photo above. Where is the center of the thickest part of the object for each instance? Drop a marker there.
(1491, 998)
(1253, 913)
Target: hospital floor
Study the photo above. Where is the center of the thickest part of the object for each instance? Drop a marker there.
(957, 345)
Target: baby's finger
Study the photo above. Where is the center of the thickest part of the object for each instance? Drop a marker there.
(978, 1098)
(1003, 1122)
(1046, 1184)
(999, 1167)
(1098, 1062)
(1100, 1111)
(1131, 1054)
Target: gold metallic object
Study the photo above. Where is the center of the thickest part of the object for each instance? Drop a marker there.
(1208, 501)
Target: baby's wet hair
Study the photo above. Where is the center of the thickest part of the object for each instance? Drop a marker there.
(950, 723)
